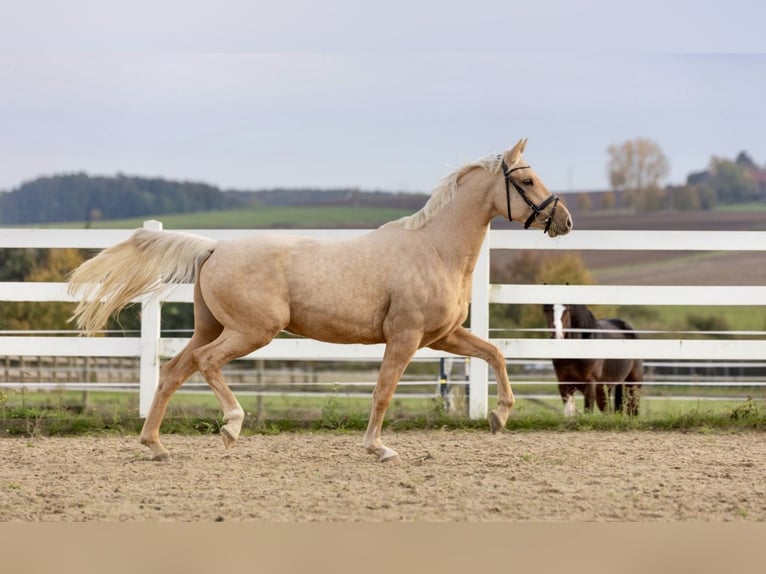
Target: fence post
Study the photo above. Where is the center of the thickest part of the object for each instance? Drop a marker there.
(478, 379)
(150, 344)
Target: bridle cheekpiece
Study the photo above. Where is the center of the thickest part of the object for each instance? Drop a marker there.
(536, 209)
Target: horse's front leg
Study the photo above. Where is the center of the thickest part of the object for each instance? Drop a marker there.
(463, 342)
(589, 392)
(567, 393)
(399, 352)
(603, 392)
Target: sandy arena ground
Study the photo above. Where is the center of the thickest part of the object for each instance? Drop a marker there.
(444, 476)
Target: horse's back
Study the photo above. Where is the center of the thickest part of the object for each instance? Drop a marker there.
(615, 324)
(620, 369)
(339, 290)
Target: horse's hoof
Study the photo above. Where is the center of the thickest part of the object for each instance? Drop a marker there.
(159, 452)
(494, 423)
(392, 459)
(228, 437)
(386, 454)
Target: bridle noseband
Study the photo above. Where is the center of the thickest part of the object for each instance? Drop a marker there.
(536, 209)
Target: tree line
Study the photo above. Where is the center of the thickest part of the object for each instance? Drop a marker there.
(637, 167)
(635, 170)
(80, 197)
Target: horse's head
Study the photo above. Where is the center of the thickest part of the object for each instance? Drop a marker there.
(559, 319)
(563, 318)
(527, 200)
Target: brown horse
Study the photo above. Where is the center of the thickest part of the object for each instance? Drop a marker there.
(406, 284)
(595, 378)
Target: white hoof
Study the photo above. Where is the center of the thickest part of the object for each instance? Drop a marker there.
(389, 455)
(570, 409)
(230, 431)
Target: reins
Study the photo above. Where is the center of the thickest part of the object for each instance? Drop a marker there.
(536, 209)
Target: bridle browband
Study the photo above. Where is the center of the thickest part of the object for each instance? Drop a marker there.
(536, 209)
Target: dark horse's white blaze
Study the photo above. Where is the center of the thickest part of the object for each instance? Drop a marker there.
(406, 284)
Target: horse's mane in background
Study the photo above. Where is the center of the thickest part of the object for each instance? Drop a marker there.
(444, 193)
(582, 318)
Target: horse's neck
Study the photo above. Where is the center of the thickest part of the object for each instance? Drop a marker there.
(584, 319)
(458, 231)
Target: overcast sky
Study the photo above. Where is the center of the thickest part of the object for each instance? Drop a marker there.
(286, 94)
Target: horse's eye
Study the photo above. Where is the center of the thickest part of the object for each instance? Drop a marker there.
(527, 181)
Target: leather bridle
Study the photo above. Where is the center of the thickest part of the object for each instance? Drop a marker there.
(536, 209)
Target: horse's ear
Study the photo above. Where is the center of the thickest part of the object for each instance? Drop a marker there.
(512, 155)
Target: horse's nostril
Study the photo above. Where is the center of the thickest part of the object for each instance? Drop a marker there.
(569, 223)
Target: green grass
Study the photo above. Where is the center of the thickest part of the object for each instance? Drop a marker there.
(261, 217)
(743, 207)
(677, 317)
(62, 413)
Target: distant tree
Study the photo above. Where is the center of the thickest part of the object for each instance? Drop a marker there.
(608, 200)
(636, 168)
(707, 196)
(564, 268)
(698, 177)
(744, 160)
(534, 268)
(652, 198)
(732, 182)
(684, 197)
(39, 265)
(584, 202)
(522, 269)
(17, 264)
(173, 316)
(699, 322)
(79, 197)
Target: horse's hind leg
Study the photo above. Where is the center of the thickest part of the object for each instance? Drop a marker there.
(633, 390)
(209, 359)
(172, 376)
(619, 389)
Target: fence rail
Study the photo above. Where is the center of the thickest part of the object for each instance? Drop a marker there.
(151, 348)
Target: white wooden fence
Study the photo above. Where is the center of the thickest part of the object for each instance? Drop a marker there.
(151, 348)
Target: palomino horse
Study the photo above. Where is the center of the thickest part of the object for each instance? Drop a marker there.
(594, 377)
(406, 284)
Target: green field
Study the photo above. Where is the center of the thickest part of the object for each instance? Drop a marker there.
(682, 318)
(262, 218)
(743, 207)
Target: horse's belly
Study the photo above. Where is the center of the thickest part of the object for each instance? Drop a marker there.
(340, 326)
(616, 370)
(336, 333)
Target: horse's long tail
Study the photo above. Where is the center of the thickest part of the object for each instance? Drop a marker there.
(138, 266)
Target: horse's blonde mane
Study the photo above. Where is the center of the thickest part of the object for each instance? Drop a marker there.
(443, 194)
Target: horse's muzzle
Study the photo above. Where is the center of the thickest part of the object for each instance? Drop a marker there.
(560, 225)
